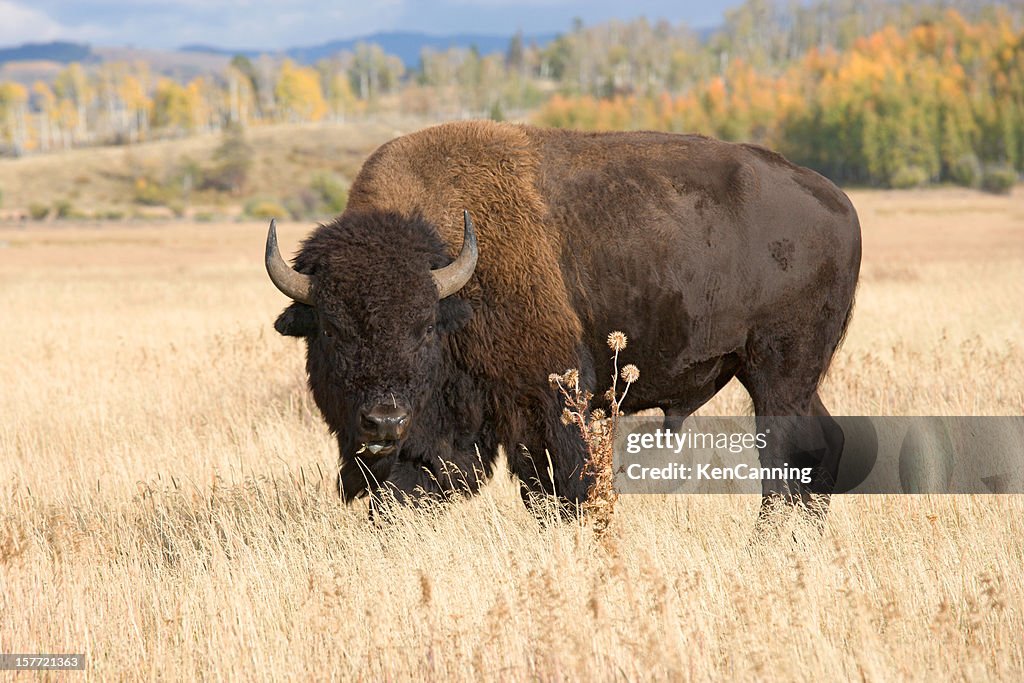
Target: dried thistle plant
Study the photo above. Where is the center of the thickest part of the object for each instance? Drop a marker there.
(597, 430)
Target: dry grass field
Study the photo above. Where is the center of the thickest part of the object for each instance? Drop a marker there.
(167, 505)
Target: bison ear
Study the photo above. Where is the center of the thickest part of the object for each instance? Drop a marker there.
(298, 320)
(453, 314)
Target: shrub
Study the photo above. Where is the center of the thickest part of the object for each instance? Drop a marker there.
(188, 175)
(999, 179)
(149, 192)
(303, 204)
(332, 190)
(110, 214)
(496, 113)
(231, 163)
(37, 211)
(264, 208)
(177, 207)
(168, 187)
(907, 177)
(63, 208)
(966, 171)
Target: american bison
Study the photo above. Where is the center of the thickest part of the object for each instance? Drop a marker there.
(476, 258)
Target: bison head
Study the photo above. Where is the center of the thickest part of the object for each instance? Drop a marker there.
(374, 301)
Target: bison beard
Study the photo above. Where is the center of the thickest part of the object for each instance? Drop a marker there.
(717, 260)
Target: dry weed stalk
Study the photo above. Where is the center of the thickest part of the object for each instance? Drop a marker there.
(597, 430)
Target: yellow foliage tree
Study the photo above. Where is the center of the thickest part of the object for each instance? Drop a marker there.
(298, 93)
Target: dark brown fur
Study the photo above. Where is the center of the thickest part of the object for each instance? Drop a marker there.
(717, 260)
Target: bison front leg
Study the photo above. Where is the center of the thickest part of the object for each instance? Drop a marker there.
(413, 481)
(549, 460)
(451, 471)
(357, 475)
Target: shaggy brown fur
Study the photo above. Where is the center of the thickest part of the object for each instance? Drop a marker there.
(717, 260)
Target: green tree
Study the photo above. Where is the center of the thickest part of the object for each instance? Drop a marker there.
(232, 161)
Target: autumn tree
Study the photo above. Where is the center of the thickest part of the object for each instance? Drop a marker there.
(44, 103)
(72, 86)
(13, 114)
(172, 107)
(298, 93)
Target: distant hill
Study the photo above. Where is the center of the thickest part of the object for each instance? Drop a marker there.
(57, 51)
(406, 45)
(28, 63)
(191, 60)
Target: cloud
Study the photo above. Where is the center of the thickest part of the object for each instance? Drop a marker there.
(485, 4)
(20, 24)
(268, 24)
(275, 24)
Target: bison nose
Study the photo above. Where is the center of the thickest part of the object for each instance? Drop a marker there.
(384, 422)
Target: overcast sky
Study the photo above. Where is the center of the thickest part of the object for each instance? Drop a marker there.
(270, 24)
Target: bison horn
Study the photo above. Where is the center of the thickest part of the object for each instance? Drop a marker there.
(452, 277)
(291, 282)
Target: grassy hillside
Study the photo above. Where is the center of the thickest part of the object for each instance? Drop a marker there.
(105, 181)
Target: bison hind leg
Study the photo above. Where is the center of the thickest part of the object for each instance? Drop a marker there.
(782, 377)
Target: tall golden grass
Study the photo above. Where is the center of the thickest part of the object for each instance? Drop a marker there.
(167, 503)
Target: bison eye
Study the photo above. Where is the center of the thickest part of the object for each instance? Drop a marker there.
(424, 334)
(327, 333)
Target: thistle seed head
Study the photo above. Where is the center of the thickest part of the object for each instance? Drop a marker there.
(630, 373)
(617, 341)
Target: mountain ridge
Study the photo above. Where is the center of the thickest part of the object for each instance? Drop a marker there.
(62, 51)
(406, 45)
